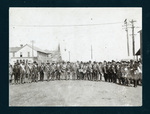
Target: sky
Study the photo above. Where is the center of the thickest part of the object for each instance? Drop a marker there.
(76, 30)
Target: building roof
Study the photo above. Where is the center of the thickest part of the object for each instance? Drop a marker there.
(140, 31)
(14, 49)
(37, 49)
(48, 51)
(138, 52)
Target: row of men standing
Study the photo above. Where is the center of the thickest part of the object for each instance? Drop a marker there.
(65, 70)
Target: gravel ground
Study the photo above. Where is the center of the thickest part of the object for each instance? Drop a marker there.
(74, 93)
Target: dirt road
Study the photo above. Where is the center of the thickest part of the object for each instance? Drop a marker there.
(74, 93)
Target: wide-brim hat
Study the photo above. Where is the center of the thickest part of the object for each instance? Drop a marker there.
(112, 61)
(34, 62)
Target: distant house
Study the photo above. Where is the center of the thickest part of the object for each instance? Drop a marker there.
(13, 50)
(27, 53)
(54, 55)
(139, 52)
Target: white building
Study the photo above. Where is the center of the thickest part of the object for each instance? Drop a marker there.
(27, 53)
(12, 52)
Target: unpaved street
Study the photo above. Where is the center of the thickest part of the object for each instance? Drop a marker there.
(74, 93)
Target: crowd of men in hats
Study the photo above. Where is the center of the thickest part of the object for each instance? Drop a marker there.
(123, 73)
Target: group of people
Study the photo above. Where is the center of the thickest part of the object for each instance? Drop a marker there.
(123, 73)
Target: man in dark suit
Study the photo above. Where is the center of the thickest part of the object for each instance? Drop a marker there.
(105, 71)
(95, 74)
(35, 72)
(22, 72)
(41, 70)
(52, 71)
(114, 76)
(68, 68)
(100, 70)
(109, 72)
(16, 71)
(48, 71)
(74, 71)
(58, 71)
(118, 72)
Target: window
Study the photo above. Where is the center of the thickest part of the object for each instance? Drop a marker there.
(20, 54)
(13, 54)
(28, 54)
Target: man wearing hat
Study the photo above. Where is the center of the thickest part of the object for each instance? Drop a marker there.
(123, 67)
(110, 72)
(90, 66)
(63, 70)
(135, 79)
(105, 71)
(48, 71)
(16, 71)
(114, 76)
(41, 70)
(84, 71)
(28, 72)
(34, 72)
(58, 71)
(68, 68)
(95, 71)
(53, 69)
(118, 72)
(74, 71)
(81, 71)
(10, 73)
(22, 72)
(100, 70)
(30, 75)
(77, 73)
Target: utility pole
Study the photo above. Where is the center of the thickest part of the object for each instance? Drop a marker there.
(69, 56)
(32, 47)
(126, 25)
(91, 53)
(133, 42)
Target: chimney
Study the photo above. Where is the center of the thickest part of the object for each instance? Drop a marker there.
(21, 45)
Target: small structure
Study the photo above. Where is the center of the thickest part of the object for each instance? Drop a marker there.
(54, 55)
(139, 52)
(30, 54)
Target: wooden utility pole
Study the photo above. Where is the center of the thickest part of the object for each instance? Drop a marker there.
(126, 25)
(32, 47)
(91, 53)
(69, 55)
(133, 42)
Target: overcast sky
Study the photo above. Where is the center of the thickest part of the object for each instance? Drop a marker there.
(76, 29)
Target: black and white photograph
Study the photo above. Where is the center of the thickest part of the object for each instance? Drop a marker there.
(75, 56)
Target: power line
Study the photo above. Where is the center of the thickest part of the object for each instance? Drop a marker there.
(65, 25)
